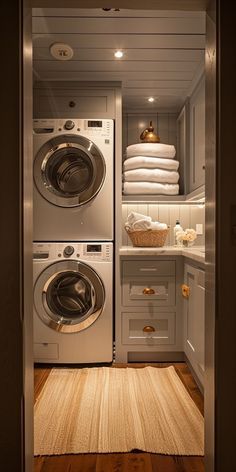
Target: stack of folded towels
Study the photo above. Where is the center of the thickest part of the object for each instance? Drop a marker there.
(150, 168)
(139, 222)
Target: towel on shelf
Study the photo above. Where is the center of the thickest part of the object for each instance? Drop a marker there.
(139, 222)
(151, 150)
(134, 216)
(148, 188)
(151, 175)
(138, 162)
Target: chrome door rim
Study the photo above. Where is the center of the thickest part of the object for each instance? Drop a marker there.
(73, 143)
(52, 319)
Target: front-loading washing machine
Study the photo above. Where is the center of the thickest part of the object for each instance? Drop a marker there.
(73, 302)
(73, 179)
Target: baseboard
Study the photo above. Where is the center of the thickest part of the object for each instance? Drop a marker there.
(175, 356)
(198, 382)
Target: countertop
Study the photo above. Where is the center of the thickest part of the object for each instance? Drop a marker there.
(196, 253)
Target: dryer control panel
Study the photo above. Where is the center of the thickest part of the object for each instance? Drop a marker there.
(90, 251)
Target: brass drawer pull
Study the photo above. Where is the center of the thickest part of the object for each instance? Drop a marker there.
(149, 329)
(185, 291)
(148, 291)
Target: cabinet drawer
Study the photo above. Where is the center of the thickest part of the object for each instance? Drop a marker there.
(143, 328)
(154, 291)
(151, 268)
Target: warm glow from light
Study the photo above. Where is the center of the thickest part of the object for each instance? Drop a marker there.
(118, 54)
(151, 99)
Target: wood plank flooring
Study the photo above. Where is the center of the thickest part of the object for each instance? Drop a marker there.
(128, 462)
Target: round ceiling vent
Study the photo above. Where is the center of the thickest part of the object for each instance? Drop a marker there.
(61, 51)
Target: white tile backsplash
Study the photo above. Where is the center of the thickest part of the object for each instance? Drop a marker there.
(188, 215)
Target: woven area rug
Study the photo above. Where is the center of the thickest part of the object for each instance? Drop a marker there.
(116, 410)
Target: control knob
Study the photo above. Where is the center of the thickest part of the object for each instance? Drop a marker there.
(68, 251)
(69, 124)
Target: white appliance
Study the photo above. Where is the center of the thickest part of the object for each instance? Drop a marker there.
(73, 302)
(73, 180)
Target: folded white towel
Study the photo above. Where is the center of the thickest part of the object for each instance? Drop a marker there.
(151, 150)
(150, 188)
(139, 222)
(151, 175)
(138, 162)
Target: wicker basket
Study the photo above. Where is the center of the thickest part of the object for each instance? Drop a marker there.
(148, 238)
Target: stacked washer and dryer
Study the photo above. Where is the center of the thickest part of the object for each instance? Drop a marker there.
(73, 240)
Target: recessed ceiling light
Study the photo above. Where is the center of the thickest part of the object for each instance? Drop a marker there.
(151, 99)
(118, 54)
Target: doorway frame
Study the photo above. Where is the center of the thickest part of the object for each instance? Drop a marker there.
(220, 229)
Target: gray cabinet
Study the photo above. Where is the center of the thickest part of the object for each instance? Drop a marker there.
(149, 325)
(183, 148)
(148, 328)
(147, 283)
(197, 137)
(193, 292)
(74, 100)
(191, 141)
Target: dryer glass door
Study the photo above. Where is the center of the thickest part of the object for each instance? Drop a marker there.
(69, 170)
(72, 298)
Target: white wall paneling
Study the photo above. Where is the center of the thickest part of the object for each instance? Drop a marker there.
(189, 216)
(162, 50)
(118, 25)
(164, 125)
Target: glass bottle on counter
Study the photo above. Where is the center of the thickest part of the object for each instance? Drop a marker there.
(177, 227)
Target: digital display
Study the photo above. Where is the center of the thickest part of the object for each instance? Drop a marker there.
(94, 124)
(94, 248)
(41, 255)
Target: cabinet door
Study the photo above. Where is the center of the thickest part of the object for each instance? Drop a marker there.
(194, 311)
(197, 137)
(183, 148)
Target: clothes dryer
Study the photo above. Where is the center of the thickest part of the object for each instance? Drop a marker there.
(73, 180)
(73, 302)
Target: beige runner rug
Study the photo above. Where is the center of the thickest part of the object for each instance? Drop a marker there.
(116, 410)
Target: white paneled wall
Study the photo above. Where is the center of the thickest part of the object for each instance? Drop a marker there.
(188, 215)
(165, 125)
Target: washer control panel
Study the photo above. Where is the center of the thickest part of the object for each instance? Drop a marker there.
(91, 251)
(88, 128)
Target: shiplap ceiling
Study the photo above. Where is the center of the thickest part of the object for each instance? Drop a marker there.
(163, 51)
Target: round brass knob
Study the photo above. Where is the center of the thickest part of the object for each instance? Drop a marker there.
(148, 291)
(149, 329)
(185, 291)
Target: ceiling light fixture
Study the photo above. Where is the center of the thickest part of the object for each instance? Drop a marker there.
(118, 54)
(151, 99)
(61, 51)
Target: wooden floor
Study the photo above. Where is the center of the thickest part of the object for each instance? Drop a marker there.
(128, 462)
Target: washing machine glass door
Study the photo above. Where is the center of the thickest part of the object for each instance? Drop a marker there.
(69, 296)
(69, 170)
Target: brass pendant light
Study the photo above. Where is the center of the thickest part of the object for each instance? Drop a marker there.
(148, 136)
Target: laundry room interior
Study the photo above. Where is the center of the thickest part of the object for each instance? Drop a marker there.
(119, 238)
